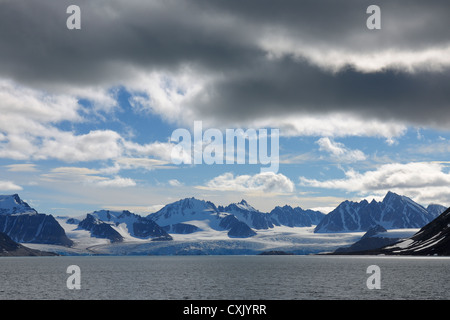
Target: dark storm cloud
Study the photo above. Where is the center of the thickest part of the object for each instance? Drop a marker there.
(287, 87)
(225, 38)
(36, 45)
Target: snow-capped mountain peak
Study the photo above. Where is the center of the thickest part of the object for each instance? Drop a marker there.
(393, 212)
(114, 216)
(12, 204)
(184, 210)
(243, 205)
(248, 214)
(392, 199)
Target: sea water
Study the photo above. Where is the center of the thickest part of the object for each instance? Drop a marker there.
(224, 277)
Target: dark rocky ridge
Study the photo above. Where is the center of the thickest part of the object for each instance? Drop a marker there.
(24, 224)
(10, 248)
(295, 217)
(34, 228)
(101, 225)
(394, 212)
(100, 229)
(369, 241)
(432, 239)
(236, 228)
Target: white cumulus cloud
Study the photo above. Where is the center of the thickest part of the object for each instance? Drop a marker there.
(266, 182)
(339, 152)
(425, 182)
(9, 186)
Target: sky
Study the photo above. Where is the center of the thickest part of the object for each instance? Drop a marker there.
(87, 115)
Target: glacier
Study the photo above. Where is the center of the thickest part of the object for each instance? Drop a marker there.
(296, 240)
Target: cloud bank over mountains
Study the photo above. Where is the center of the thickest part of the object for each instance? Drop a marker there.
(241, 63)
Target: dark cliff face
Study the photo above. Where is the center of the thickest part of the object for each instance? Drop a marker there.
(369, 241)
(100, 229)
(432, 239)
(240, 230)
(146, 228)
(24, 224)
(394, 212)
(138, 226)
(34, 228)
(181, 228)
(236, 228)
(8, 247)
(436, 209)
(295, 217)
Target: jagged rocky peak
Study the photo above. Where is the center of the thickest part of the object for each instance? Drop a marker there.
(90, 219)
(243, 205)
(184, 206)
(188, 202)
(248, 214)
(243, 202)
(110, 224)
(393, 199)
(34, 228)
(436, 209)
(24, 224)
(295, 217)
(394, 212)
(12, 204)
(364, 202)
(188, 205)
(193, 202)
(390, 196)
(182, 216)
(112, 215)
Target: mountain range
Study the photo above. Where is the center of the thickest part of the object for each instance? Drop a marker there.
(394, 212)
(116, 225)
(195, 221)
(240, 219)
(433, 239)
